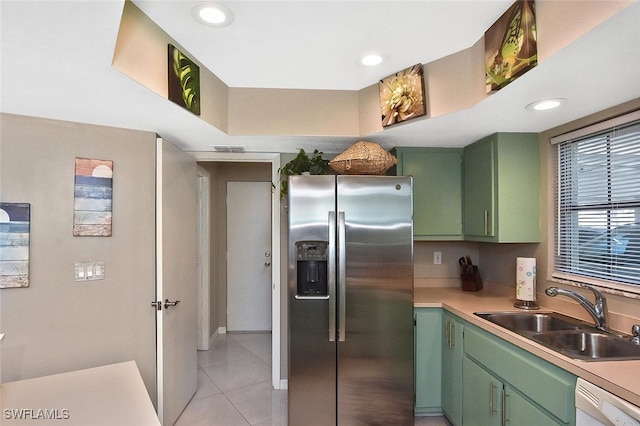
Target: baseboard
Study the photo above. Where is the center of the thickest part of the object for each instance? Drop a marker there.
(219, 331)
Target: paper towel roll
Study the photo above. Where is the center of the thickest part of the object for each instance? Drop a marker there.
(526, 278)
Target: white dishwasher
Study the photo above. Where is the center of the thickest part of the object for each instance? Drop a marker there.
(595, 406)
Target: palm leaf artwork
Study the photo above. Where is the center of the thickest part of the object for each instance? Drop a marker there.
(184, 81)
(517, 51)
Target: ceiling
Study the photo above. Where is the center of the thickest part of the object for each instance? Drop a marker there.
(56, 63)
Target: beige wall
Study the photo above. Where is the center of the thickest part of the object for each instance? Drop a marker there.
(141, 53)
(56, 324)
(452, 83)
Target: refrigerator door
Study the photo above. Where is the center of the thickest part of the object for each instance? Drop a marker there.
(375, 360)
(312, 345)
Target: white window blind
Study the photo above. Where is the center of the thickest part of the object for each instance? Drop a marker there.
(598, 205)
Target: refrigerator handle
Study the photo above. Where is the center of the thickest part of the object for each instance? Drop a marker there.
(331, 276)
(342, 278)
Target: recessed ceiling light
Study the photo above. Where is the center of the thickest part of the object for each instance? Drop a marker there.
(545, 104)
(212, 14)
(371, 60)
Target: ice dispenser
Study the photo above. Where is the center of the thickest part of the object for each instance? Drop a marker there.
(311, 259)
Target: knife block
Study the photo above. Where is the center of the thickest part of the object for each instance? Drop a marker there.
(471, 281)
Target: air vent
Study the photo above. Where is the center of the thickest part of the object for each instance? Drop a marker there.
(588, 395)
(227, 148)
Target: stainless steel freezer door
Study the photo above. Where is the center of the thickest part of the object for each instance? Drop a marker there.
(375, 360)
(312, 356)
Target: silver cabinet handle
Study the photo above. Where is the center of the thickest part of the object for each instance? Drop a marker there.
(447, 333)
(452, 334)
(168, 303)
(486, 222)
(504, 408)
(492, 408)
(267, 264)
(331, 272)
(342, 278)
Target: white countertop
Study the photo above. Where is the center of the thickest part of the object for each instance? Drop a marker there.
(621, 378)
(109, 395)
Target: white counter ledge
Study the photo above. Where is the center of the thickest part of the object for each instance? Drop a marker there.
(618, 377)
(109, 395)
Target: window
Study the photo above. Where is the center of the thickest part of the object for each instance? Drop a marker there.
(598, 204)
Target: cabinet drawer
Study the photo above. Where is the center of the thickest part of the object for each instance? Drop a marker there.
(548, 385)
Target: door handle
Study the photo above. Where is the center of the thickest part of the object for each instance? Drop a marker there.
(168, 303)
(342, 278)
(331, 276)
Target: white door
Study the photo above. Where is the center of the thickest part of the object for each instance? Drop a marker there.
(248, 256)
(176, 287)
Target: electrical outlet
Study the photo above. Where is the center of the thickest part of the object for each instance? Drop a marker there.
(437, 258)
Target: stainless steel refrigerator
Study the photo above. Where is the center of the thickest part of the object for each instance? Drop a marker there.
(350, 300)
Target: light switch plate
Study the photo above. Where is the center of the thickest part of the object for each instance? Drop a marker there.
(89, 271)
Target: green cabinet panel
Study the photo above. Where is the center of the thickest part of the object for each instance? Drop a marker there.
(502, 189)
(482, 396)
(493, 402)
(437, 190)
(428, 359)
(545, 385)
(452, 355)
(520, 411)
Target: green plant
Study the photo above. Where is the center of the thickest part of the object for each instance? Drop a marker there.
(314, 164)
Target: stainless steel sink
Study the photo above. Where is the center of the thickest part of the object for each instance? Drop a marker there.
(566, 335)
(531, 321)
(589, 345)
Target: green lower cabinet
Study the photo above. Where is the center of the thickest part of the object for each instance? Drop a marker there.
(428, 358)
(521, 388)
(493, 402)
(477, 378)
(482, 404)
(452, 355)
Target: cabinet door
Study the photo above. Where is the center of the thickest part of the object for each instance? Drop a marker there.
(437, 191)
(452, 353)
(502, 189)
(479, 189)
(428, 359)
(482, 402)
(520, 411)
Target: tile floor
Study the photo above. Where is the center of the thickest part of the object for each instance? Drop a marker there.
(234, 386)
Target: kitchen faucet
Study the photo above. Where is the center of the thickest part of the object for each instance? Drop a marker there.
(597, 310)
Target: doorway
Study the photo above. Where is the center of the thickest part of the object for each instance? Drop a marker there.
(248, 256)
(278, 326)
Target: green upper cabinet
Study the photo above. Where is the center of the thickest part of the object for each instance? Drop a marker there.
(437, 191)
(502, 189)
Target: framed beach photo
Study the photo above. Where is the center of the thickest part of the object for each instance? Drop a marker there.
(15, 225)
(93, 198)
